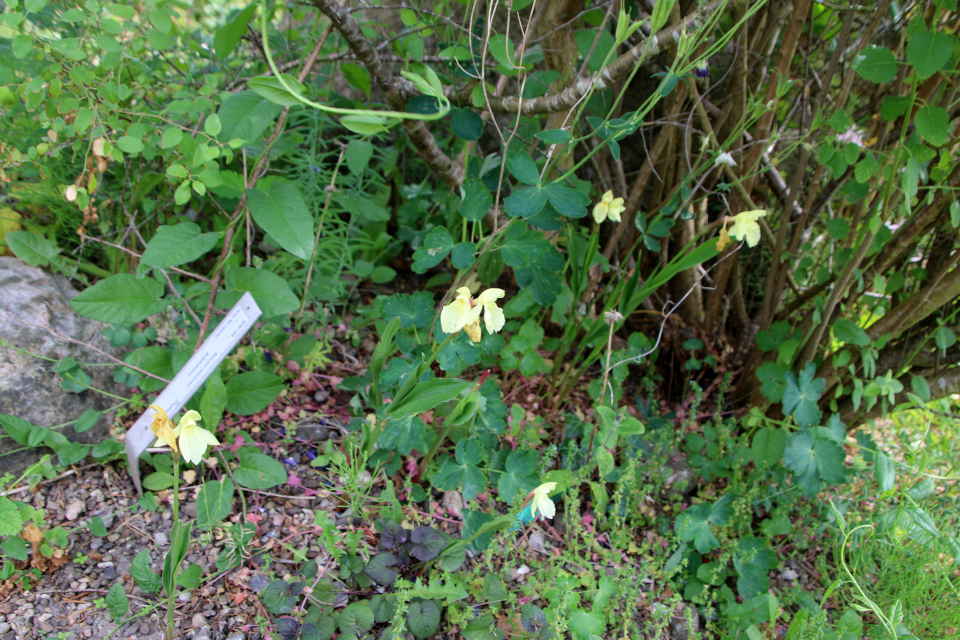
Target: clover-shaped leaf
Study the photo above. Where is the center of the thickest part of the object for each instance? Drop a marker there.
(801, 396)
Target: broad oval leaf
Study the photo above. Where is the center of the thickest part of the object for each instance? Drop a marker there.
(423, 618)
(120, 298)
(214, 502)
(252, 391)
(259, 471)
(270, 88)
(283, 214)
(179, 244)
(272, 293)
(245, 116)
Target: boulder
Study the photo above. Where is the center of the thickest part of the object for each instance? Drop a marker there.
(33, 302)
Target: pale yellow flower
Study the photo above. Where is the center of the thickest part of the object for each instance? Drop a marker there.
(608, 207)
(456, 315)
(162, 427)
(194, 439)
(542, 503)
(493, 316)
(745, 226)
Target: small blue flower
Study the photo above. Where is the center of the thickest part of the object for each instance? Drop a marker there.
(703, 72)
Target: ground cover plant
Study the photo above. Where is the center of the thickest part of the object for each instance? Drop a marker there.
(618, 319)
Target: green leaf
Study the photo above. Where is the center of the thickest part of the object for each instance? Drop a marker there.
(153, 359)
(10, 521)
(405, 435)
(886, 472)
(526, 203)
(259, 471)
(477, 200)
(522, 167)
(158, 481)
(252, 391)
(86, 421)
(179, 244)
(283, 214)
(214, 502)
(467, 124)
(246, 116)
(536, 262)
(35, 250)
(768, 445)
(120, 299)
(569, 202)
(367, 125)
(270, 88)
(752, 561)
(358, 155)
(117, 602)
(928, 51)
(933, 124)
(17, 428)
(414, 310)
(97, 527)
(554, 136)
(147, 580)
(379, 568)
(129, 144)
(213, 401)
(426, 396)
(272, 293)
(356, 618)
(15, 548)
(584, 624)
(212, 124)
(229, 35)
(693, 526)
(357, 76)
(801, 396)
(463, 470)
(850, 332)
(519, 476)
(423, 618)
(436, 246)
(463, 254)
(813, 460)
(189, 578)
(876, 64)
(279, 597)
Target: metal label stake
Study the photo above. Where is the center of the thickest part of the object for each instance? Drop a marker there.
(221, 342)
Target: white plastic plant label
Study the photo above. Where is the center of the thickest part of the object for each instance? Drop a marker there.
(215, 348)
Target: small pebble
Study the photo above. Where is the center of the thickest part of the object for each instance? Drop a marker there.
(5, 628)
(160, 537)
(789, 574)
(184, 597)
(198, 621)
(74, 509)
(95, 544)
(258, 582)
(237, 636)
(110, 573)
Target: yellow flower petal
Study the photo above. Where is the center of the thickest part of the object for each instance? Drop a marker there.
(473, 330)
(542, 503)
(454, 316)
(745, 226)
(194, 439)
(162, 427)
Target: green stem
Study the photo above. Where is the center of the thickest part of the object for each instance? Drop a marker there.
(176, 521)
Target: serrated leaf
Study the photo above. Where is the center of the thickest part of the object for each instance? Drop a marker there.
(283, 214)
(463, 470)
(876, 64)
(536, 262)
(800, 396)
(568, 202)
(179, 244)
(519, 476)
(120, 299)
(928, 51)
(10, 521)
(813, 460)
(414, 310)
(933, 124)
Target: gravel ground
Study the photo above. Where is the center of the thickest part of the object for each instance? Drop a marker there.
(66, 603)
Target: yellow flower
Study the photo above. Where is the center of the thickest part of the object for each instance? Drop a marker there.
(608, 207)
(162, 427)
(542, 503)
(746, 227)
(723, 239)
(492, 314)
(473, 330)
(456, 315)
(193, 438)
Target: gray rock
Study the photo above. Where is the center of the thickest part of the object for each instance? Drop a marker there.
(258, 582)
(110, 573)
(536, 541)
(74, 509)
(4, 628)
(160, 537)
(453, 502)
(237, 636)
(29, 387)
(198, 621)
(789, 574)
